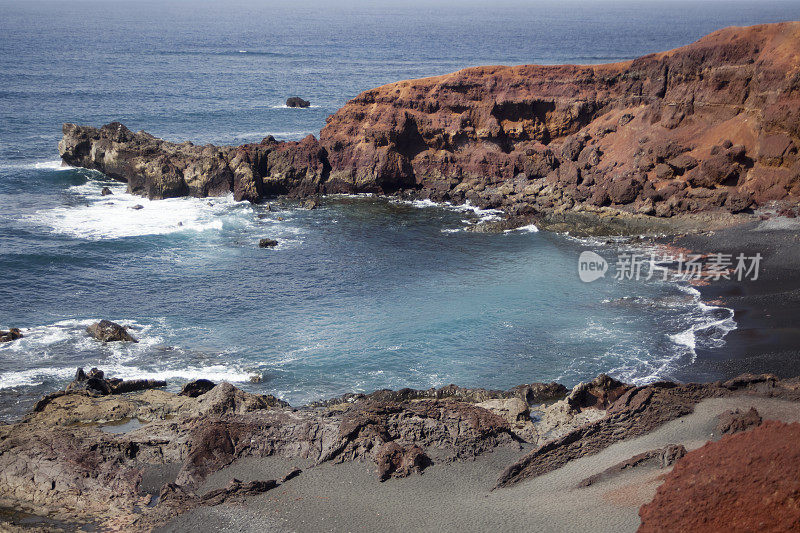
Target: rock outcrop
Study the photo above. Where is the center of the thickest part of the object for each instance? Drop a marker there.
(108, 331)
(296, 101)
(712, 126)
(636, 412)
(736, 421)
(59, 462)
(661, 458)
(11, 335)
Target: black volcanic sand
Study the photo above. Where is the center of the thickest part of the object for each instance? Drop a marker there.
(767, 310)
(457, 497)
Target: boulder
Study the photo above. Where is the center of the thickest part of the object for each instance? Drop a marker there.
(296, 101)
(734, 421)
(106, 191)
(108, 331)
(11, 335)
(267, 243)
(664, 171)
(291, 474)
(572, 148)
(682, 163)
(395, 460)
(624, 191)
(599, 393)
(196, 388)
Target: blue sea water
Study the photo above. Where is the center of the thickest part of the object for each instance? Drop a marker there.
(362, 293)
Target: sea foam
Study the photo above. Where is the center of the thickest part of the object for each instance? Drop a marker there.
(117, 215)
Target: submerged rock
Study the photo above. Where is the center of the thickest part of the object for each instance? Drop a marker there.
(296, 101)
(108, 331)
(11, 335)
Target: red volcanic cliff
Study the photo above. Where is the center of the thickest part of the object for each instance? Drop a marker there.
(713, 125)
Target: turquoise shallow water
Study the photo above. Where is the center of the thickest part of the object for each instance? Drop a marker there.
(362, 293)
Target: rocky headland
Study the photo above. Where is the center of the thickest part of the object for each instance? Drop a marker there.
(713, 127)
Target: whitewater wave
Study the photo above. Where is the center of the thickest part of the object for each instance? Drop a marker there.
(55, 350)
(708, 326)
(56, 165)
(38, 376)
(482, 215)
(284, 106)
(121, 215)
(530, 228)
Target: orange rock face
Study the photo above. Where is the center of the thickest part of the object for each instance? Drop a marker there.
(712, 124)
(748, 481)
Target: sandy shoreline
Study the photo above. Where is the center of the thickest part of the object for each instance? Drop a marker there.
(767, 336)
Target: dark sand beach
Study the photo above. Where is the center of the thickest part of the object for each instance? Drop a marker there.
(767, 310)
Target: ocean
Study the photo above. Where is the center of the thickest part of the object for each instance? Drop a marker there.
(360, 294)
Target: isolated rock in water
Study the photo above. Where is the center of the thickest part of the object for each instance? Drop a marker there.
(267, 243)
(108, 331)
(137, 207)
(10, 335)
(736, 421)
(93, 381)
(106, 191)
(311, 204)
(296, 101)
(196, 388)
(394, 460)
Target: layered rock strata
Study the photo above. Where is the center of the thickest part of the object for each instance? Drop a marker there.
(712, 126)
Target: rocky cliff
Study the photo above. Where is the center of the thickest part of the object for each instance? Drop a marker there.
(711, 126)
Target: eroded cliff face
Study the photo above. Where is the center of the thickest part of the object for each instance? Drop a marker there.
(713, 125)
(159, 169)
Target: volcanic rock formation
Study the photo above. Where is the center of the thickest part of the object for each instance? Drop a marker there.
(711, 126)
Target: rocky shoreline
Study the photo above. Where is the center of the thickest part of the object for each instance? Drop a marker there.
(710, 129)
(62, 461)
(694, 138)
